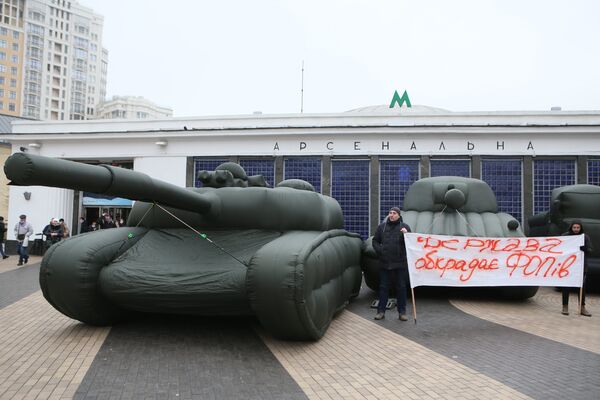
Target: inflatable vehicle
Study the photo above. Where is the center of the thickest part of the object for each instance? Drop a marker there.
(228, 248)
(568, 203)
(430, 206)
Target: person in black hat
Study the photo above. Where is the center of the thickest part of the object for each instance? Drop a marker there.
(576, 228)
(388, 243)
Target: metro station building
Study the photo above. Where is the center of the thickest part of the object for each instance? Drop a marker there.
(365, 158)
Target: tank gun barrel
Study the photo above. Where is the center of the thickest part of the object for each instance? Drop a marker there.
(31, 170)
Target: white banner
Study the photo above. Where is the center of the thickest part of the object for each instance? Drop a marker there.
(437, 260)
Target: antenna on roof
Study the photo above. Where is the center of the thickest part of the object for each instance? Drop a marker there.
(302, 91)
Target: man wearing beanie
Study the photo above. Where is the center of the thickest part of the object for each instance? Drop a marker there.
(388, 242)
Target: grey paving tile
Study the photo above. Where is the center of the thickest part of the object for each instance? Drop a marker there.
(175, 357)
(18, 283)
(535, 366)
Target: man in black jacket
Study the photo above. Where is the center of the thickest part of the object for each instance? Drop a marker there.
(388, 242)
(53, 232)
(576, 228)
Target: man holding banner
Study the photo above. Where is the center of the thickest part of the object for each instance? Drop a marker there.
(576, 228)
(388, 243)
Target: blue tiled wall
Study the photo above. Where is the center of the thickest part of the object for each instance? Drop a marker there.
(395, 176)
(350, 187)
(264, 167)
(450, 168)
(306, 168)
(505, 177)
(593, 172)
(205, 164)
(547, 175)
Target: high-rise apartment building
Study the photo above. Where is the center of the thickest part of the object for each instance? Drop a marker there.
(131, 107)
(52, 64)
(11, 56)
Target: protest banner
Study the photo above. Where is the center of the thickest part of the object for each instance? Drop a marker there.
(438, 260)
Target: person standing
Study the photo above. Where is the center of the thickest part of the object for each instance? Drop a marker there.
(107, 222)
(65, 228)
(53, 232)
(83, 225)
(576, 228)
(388, 243)
(23, 230)
(2, 234)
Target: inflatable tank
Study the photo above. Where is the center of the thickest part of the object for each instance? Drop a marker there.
(232, 247)
(431, 205)
(568, 203)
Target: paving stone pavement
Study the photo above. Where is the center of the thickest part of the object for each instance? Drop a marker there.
(178, 357)
(18, 282)
(461, 348)
(533, 365)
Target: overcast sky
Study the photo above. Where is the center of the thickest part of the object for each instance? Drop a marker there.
(221, 57)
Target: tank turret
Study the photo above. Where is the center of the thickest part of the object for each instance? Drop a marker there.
(231, 247)
(568, 204)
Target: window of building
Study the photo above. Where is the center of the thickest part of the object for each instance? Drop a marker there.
(1, 105)
(13, 70)
(505, 177)
(15, 46)
(350, 187)
(2, 80)
(450, 168)
(36, 29)
(12, 107)
(205, 164)
(3, 31)
(264, 167)
(305, 168)
(2, 68)
(593, 172)
(14, 59)
(13, 82)
(547, 175)
(1, 92)
(3, 43)
(16, 35)
(2, 55)
(395, 176)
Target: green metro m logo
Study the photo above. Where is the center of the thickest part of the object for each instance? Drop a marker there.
(400, 100)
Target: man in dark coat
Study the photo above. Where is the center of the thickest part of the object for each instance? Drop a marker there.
(53, 232)
(576, 228)
(388, 242)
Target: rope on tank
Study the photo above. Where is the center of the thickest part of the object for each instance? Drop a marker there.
(202, 235)
(468, 225)
(435, 219)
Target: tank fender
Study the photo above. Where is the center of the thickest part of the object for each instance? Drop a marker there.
(69, 273)
(298, 282)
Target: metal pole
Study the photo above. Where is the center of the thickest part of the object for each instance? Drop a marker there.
(302, 90)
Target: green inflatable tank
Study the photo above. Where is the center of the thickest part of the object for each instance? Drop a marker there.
(431, 205)
(233, 247)
(567, 204)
